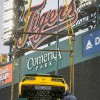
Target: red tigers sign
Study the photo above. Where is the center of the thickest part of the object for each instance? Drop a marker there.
(46, 22)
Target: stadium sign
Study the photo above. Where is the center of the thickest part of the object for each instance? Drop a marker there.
(6, 74)
(46, 22)
(43, 61)
(91, 43)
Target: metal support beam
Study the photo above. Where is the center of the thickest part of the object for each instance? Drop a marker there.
(28, 49)
(97, 16)
(57, 41)
(54, 34)
(11, 49)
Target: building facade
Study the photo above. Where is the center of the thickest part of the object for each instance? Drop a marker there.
(86, 51)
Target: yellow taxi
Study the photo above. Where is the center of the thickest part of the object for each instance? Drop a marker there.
(42, 86)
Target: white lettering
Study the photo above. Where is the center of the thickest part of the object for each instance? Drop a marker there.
(29, 63)
(4, 77)
(43, 59)
(37, 68)
(50, 63)
(89, 45)
(59, 55)
(4, 70)
(97, 40)
(46, 65)
(41, 67)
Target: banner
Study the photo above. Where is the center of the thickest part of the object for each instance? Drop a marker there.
(91, 43)
(6, 74)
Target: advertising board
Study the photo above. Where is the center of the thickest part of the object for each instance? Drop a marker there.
(91, 43)
(6, 74)
(44, 61)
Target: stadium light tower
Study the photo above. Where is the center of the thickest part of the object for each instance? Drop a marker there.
(11, 18)
(8, 23)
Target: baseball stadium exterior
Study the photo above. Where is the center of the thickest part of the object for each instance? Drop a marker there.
(86, 54)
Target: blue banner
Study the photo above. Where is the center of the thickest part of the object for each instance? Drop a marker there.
(91, 43)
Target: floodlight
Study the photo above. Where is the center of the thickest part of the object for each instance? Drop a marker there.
(8, 7)
(7, 29)
(90, 3)
(86, 3)
(10, 12)
(7, 36)
(9, 23)
(8, 17)
(8, 3)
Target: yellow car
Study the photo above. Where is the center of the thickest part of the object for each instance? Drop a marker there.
(42, 86)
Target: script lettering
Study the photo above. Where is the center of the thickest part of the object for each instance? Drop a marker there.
(46, 23)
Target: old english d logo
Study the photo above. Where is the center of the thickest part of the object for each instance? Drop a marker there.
(46, 23)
